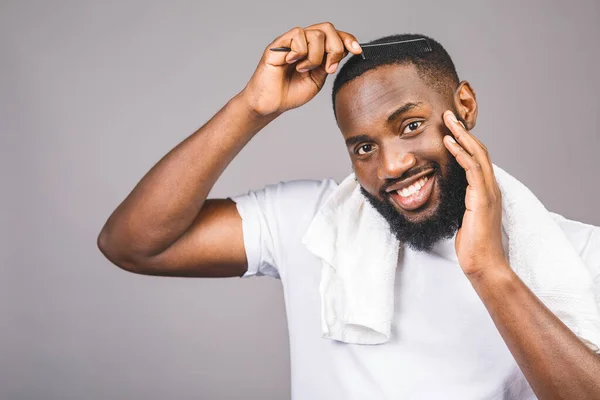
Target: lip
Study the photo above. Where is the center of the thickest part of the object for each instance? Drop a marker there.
(407, 182)
(415, 200)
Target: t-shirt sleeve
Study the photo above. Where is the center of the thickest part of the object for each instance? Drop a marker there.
(276, 216)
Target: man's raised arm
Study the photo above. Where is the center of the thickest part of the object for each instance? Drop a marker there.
(166, 225)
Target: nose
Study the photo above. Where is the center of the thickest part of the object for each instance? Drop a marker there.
(394, 164)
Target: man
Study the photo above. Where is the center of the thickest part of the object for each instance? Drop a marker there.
(406, 120)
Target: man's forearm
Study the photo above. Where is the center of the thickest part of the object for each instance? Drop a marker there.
(168, 198)
(555, 362)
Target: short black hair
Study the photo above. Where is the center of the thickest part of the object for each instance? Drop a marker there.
(435, 67)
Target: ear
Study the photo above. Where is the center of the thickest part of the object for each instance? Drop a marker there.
(465, 104)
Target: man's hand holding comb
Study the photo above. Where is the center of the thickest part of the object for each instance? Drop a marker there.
(284, 80)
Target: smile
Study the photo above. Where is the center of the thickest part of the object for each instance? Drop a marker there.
(415, 195)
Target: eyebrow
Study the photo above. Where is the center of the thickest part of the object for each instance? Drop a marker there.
(391, 118)
(357, 139)
(401, 110)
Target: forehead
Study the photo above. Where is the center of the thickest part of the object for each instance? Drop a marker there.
(371, 97)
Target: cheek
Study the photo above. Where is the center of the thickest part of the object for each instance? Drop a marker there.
(436, 149)
(367, 178)
(436, 142)
(437, 145)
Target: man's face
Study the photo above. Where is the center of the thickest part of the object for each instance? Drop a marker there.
(393, 127)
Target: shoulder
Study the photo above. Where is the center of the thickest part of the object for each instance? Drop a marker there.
(305, 188)
(293, 195)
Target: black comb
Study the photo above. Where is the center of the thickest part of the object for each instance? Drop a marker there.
(420, 45)
(371, 50)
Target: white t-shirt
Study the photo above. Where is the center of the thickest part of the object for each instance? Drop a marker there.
(444, 344)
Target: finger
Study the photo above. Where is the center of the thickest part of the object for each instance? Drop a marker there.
(337, 44)
(350, 42)
(471, 144)
(334, 47)
(294, 39)
(473, 168)
(299, 46)
(316, 50)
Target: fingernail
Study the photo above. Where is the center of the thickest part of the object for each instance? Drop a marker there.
(450, 138)
(304, 70)
(355, 45)
(292, 57)
(453, 117)
(333, 67)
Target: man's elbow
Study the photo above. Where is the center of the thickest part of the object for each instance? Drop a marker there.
(109, 250)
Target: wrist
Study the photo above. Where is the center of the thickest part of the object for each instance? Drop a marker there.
(245, 99)
(498, 274)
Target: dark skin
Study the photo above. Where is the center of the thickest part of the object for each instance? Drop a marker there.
(383, 154)
(399, 140)
(555, 362)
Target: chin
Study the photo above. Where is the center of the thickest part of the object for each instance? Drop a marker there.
(438, 218)
(425, 212)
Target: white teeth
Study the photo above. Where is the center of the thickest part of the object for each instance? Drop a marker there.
(415, 187)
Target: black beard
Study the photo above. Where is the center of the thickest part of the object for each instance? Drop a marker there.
(446, 219)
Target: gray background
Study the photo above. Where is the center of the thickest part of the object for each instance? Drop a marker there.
(93, 93)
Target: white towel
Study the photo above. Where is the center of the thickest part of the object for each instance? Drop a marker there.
(359, 255)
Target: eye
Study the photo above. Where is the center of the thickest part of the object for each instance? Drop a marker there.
(365, 148)
(413, 126)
